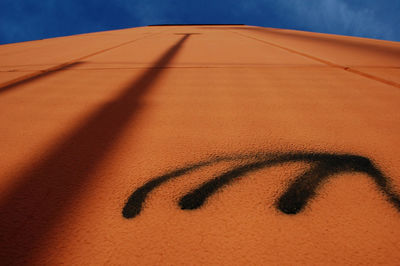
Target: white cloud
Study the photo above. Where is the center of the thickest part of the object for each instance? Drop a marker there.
(336, 16)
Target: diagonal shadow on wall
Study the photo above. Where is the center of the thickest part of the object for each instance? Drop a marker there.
(36, 76)
(46, 190)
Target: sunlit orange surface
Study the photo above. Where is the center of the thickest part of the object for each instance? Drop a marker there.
(270, 115)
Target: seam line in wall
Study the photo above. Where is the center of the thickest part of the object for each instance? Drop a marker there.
(21, 79)
(345, 68)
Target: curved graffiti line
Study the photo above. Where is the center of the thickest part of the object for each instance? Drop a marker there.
(292, 201)
(135, 202)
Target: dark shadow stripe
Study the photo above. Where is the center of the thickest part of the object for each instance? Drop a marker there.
(8, 85)
(36, 76)
(48, 188)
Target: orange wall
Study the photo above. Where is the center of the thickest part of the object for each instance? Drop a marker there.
(275, 117)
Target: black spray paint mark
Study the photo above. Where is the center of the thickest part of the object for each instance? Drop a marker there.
(292, 201)
(135, 202)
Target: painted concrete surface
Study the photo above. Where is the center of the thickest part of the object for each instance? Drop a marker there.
(90, 120)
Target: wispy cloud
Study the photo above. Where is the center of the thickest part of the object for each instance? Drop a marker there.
(337, 16)
(22, 20)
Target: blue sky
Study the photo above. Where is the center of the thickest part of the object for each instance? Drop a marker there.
(22, 20)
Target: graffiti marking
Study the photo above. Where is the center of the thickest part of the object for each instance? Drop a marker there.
(322, 166)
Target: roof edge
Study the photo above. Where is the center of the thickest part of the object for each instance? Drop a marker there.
(153, 25)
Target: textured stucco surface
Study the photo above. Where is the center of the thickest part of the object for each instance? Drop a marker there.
(87, 119)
